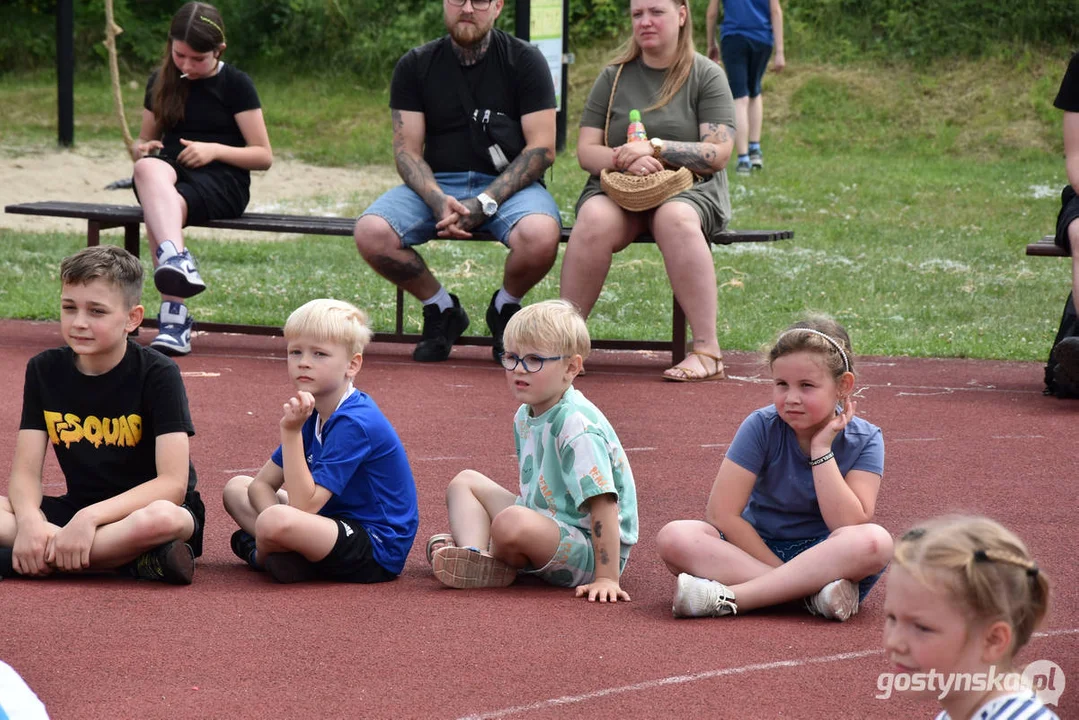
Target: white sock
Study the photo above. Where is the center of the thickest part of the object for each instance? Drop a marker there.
(165, 250)
(172, 312)
(504, 297)
(441, 298)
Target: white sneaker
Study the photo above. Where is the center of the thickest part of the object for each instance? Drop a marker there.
(173, 329)
(838, 600)
(176, 272)
(698, 597)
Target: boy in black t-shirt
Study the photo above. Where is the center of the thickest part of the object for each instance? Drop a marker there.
(116, 415)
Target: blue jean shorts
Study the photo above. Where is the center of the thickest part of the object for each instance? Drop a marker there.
(785, 550)
(414, 223)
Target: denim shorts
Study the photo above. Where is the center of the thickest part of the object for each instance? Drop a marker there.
(745, 61)
(414, 223)
(785, 550)
(574, 562)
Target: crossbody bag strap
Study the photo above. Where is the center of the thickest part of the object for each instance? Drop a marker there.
(610, 101)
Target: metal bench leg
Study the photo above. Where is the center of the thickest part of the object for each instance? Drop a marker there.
(93, 233)
(131, 238)
(678, 334)
(399, 314)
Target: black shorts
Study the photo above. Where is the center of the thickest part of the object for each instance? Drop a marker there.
(352, 558)
(744, 61)
(211, 192)
(60, 510)
(1069, 213)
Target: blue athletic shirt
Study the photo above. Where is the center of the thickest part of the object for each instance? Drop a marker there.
(783, 504)
(362, 462)
(749, 18)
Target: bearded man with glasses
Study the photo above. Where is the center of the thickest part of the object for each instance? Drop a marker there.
(473, 132)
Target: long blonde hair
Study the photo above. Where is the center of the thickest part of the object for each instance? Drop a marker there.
(983, 567)
(679, 70)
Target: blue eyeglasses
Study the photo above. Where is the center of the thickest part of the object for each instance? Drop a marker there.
(531, 363)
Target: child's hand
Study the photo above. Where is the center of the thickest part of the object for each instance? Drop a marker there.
(603, 590)
(822, 441)
(196, 154)
(148, 147)
(69, 549)
(31, 543)
(297, 410)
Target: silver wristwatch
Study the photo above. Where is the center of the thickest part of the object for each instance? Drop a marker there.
(487, 204)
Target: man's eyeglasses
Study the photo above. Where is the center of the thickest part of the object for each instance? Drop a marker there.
(531, 363)
(476, 4)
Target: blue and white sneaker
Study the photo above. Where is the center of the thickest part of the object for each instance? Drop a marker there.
(174, 329)
(176, 272)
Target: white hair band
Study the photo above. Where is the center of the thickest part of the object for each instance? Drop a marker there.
(846, 363)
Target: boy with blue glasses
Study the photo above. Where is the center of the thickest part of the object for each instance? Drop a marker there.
(574, 519)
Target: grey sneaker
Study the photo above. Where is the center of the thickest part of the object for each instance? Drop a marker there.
(440, 331)
(838, 600)
(699, 597)
(176, 273)
(743, 168)
(173, 329)
(468, 567)
(756, 161)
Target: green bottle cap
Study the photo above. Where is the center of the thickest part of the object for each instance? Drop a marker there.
(634, 115)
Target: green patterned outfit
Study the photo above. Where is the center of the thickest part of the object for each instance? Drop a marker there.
(568, 455)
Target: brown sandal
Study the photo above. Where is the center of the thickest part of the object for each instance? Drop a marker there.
(678, 374)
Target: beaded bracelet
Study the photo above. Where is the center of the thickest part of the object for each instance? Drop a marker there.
(822, 459)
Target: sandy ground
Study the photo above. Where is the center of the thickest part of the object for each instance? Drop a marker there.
(81, 174)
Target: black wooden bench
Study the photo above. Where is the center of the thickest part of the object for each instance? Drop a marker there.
(1045, 248)
(101, 216)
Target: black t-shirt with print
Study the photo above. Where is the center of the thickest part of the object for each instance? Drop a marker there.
(103, 428)
(512, 78)
(1068, 97)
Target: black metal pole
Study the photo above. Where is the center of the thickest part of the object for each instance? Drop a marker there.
(65, 71)
(522, 23)
(560, 127)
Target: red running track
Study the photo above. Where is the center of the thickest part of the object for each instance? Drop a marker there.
(968, 436)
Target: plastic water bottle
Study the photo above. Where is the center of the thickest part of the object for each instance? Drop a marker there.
(635, 131)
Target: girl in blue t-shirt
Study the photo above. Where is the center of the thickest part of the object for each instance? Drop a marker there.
(202, 134)
(790, 512)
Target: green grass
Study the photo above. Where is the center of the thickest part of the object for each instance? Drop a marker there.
(911, 194)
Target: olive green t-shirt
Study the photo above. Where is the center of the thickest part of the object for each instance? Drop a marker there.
(704, 98)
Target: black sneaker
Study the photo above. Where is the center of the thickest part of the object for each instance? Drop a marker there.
(497, 322)
(441, 328)
(1066, 375)
(172, 563)
(290, 567)
(7, 563)
(243, 544)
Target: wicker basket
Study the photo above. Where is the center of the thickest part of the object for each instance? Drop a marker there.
(636, 193)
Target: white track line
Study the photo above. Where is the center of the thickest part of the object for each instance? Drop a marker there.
(694, 677)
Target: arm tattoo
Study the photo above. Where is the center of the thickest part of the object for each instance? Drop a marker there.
(399, 272)
(597, 528)
(526, 168)
(414, 170)
(697, 156)
(717, 134)
(604, 559)
(475, 216)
